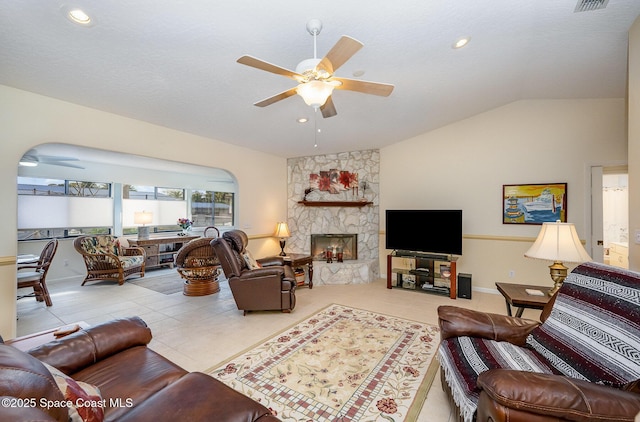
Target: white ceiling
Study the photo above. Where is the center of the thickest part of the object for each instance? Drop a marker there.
(173, 63)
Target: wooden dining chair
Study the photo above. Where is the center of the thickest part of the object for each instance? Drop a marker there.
(34, 275)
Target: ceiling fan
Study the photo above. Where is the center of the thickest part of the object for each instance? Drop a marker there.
(316, 76)
(31, 159)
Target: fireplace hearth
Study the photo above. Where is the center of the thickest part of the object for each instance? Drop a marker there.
(346, 244)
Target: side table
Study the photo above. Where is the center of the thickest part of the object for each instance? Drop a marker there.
(300, 260)
(516, 295)
(30, 341)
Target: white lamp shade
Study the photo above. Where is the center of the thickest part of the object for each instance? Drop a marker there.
(142, 217)
(558, 242)
(315, 93)
(282, 230)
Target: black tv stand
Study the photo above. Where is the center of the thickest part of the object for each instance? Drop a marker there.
(415, 254)
(426, 272)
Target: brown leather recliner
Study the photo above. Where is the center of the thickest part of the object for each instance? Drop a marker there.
(271, 286)
(579, 364)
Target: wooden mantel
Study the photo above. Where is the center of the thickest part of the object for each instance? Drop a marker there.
(335, 203)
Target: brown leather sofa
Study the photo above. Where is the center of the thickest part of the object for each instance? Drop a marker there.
(269, 286)
(135, 383)
(579, 364)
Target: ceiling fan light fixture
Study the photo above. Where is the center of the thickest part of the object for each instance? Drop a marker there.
(315, 93)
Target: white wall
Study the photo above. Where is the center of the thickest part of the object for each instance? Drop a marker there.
(464, 165)
(634, 144)
(27, 120)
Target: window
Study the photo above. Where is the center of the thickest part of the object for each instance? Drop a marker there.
(91, 189)
(45, 187)
(211, 208)
(152, 193)
(50, 208)
(55, 187)
(37, 234)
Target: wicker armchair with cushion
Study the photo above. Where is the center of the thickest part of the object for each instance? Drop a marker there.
(581, 363)
(107, 259)
(257, 285)
(198, 265)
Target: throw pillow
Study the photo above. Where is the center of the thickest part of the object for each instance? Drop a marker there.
(251, 261)
(87, 404)
(122, 244)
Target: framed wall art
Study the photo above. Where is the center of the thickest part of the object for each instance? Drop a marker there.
(534, 203)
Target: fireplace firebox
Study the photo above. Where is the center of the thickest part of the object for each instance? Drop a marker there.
(345, 244)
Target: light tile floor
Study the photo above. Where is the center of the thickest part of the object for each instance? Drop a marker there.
(200, 332)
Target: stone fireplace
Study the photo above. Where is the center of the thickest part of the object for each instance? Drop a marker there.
(331, 219)
(346, 244)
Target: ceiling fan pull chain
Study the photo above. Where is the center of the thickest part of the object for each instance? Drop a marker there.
(315, 127)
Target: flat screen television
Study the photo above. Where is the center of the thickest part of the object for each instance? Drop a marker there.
(428, 231)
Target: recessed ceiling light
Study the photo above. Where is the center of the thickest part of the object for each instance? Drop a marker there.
(358, 73)
(461, 42)
(78, 16)
(302, 120)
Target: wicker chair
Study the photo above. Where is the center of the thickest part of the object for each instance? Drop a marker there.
(198, 265)
(211, 232)
(37, 273)
(106, 259)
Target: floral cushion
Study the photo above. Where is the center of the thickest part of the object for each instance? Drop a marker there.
(101, 244)
(131, 261)
(86, 403)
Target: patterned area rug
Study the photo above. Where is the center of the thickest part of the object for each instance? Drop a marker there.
(341, 364)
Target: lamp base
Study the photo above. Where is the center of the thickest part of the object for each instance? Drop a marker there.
(143, 233)
(558, 273)
(282, 243)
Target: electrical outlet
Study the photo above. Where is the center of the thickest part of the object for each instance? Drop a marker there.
(638, 236)
(512, 273)
(66, 262)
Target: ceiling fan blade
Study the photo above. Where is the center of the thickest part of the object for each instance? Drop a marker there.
(61, 164)
(328, 109)
(275, 98)
(43, 158)
(269, 67)
(366, 87)
(339, 54)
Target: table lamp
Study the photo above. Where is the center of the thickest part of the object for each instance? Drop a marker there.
(282, 231)
(143, 217)
(558, 242)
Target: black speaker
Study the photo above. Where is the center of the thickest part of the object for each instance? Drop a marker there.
(464, 286)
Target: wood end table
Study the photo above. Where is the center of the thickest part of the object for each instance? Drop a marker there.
(300, 260)
(516, 295)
